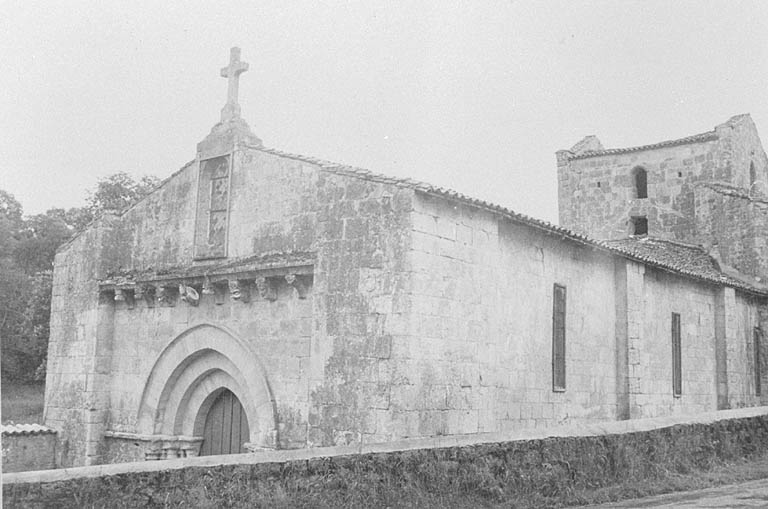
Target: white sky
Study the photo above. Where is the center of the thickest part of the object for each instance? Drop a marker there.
(476, 96)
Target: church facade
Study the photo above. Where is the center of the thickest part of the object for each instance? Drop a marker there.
(260, 300)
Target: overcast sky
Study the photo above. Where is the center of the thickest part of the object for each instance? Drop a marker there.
(476, 96)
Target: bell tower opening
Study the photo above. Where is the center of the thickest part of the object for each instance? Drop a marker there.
(639, 225)
(640, 178)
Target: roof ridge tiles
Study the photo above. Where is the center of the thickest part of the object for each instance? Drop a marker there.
(695, 138)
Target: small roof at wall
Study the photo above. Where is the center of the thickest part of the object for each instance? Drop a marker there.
(682, 258)
(25, 429)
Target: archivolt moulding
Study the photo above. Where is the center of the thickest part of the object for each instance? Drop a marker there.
(194, 367)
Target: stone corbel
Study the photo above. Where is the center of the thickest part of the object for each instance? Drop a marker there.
(299, 283)
(125, 295)
(208, 287)
(219, 292)
(266, 288)
(147, 293)
(166, 295)
(189, 295)
(106, 297)
(239, 290)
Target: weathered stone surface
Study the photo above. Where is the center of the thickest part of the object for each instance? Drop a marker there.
(344, 308)
(597, 196)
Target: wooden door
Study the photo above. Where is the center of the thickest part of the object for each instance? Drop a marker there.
(226, 426)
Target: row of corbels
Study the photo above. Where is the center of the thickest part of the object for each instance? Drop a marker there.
(167, 294)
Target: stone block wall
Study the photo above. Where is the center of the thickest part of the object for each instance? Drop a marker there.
(740, 353)
(477, 356)
(325, 357)
(596, 195)
(651, 353)
(596, 192)
(76, 394)
(360, 305)
(718, 210)
(278, 330)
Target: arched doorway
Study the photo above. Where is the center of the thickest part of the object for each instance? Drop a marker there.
(189, 376)
(226, 426)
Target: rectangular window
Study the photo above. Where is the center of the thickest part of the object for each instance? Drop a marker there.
(639, 225)
(558, 339)
(758, 363)
(677, 373)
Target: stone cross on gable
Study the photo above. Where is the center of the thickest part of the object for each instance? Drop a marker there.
(232, 72)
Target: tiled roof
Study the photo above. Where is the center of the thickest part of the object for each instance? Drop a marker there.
(683, 258)
(686, 260)
(696, 138)
(24, 429)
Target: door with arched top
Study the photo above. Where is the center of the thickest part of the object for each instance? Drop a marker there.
(226, 426)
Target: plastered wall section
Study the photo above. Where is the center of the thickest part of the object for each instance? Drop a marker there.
(477, 355)
(650, 354)
(23, 452)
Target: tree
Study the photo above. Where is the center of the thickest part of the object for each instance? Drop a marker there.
(118, 192)
(38, 239)
(10, 223)
(27, 248)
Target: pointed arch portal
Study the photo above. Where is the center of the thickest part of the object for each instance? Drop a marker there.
(202, 379)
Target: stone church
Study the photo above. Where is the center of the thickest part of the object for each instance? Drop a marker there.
(260, 300)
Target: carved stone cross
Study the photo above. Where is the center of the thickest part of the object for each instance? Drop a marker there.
(232, 72)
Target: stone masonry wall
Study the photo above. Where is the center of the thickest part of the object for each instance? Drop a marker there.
(280, 331)
(477, 356)
(744, 247)
(741, 353)
(326, 357)
(596, 193)
(664, 294)
(76, 397)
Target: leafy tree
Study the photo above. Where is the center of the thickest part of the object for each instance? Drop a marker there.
(118, 192)
(76, 218)
(10, 223)
(27, 249)
(14, 289)
(39, 238)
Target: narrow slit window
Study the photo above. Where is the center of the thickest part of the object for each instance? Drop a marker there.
(677, 368)
(639, 225)
(641, 183)
(558, 339)
(758, 362)
(752, 173)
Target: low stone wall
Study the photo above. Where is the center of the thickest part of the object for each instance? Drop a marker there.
(543, 463)
(28, 447)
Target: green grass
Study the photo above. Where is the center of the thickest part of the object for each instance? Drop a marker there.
(22, 403)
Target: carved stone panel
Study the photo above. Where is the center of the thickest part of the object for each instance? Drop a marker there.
(212, 208)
